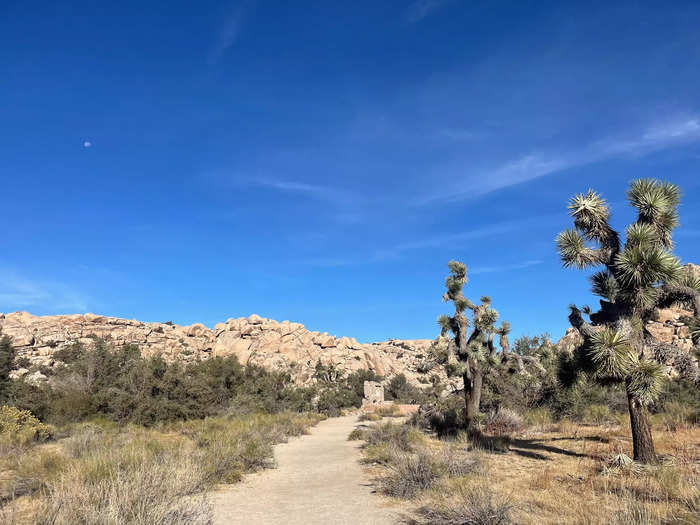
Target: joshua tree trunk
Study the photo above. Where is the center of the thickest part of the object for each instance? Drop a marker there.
(641, 431)
(472, 399)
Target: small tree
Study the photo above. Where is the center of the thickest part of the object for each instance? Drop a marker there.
(7, 357)
(472, 355)
(637, 277)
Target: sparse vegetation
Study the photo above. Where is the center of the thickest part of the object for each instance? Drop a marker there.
(98, 472)
(465, 506)
(455, 480)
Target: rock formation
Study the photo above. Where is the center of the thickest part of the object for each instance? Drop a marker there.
(282, 346)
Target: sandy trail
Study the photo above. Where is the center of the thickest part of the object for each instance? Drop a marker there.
(318, 481)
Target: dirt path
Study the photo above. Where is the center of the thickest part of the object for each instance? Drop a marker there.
(318, 481)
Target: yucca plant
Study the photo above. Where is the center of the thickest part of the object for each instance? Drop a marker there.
(471, 354)
(636, 278)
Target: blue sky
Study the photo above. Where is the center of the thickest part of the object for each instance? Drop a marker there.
(322, 161)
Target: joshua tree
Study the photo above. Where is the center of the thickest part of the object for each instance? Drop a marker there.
(471, 355)
(636, 278)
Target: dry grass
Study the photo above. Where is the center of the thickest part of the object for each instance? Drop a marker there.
(466, 502)
(411, 462)
(390, 411)
(571, 464)
(101, 474)
(555, 473)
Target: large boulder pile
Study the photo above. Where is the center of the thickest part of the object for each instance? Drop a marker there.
(282, 346)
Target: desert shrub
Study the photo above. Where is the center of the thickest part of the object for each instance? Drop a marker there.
(380, 453)
(69, 354)
(636, 512)
(446, 417)
(356, 381)
(389, 411)
(403, 437)
(540, 418)
(121, 385)
(7, 357)
(22, 362)
(503, 422)
(357, 434)
(333, 399)
(475, 505)
(128, 474)
(597, 414)
(228, 448)
(21, 427)
(26, 396)
(138, 483)
(370, 416)
(456, 462)
(410, 473)
(677, 416)
(400, 390)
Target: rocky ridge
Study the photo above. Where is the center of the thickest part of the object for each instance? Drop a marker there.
(283, 346)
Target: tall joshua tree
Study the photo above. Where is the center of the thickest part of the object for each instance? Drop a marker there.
(635, 278)
(471, 355)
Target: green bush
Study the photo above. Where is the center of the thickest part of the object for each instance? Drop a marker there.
(7, 357)
(539, 418)
(20, 427)
(121, 385)
(597, 414)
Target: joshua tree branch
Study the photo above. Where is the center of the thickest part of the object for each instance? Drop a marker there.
(491, 345)
(677, 358)
(577, 321)
(676, 293)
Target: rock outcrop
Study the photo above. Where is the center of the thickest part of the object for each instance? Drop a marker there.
(283, 346)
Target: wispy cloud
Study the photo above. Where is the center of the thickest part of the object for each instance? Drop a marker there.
(18, 292)
(535, 165)
(229, 34)
(316, 191)
(504, 268)
(330, 262)
(437, 241)
(419, 9)
(447, 239)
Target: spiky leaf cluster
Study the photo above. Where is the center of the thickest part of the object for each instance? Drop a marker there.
(646, 380)
(636, 277)
(605, 285)
(462, 357)
(633, 272)
(611, 354)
